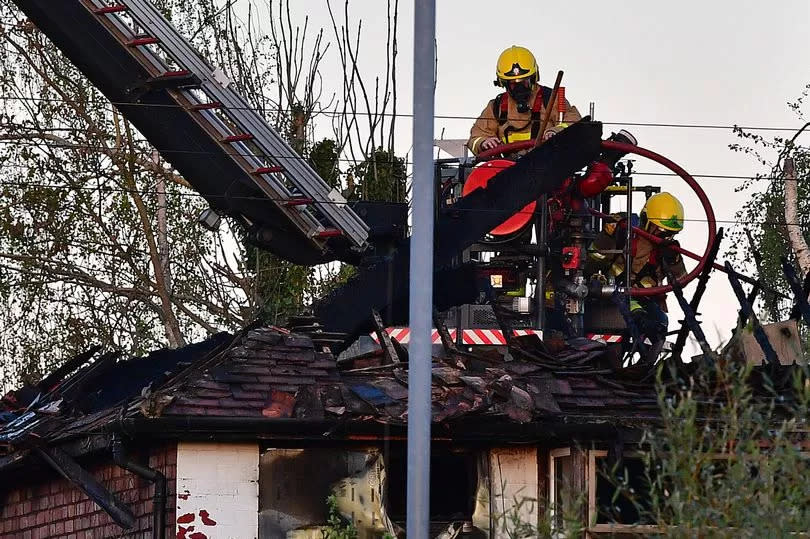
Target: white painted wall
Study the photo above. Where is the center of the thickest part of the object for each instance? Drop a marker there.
(218, 490)
(513, 486)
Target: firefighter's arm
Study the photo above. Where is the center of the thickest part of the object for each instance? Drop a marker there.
(604, 241)
(486, 126)
(570, 116)
(673, 258)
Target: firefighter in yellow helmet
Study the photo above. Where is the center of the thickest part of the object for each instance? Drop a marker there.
(517, 114)
(662, 216)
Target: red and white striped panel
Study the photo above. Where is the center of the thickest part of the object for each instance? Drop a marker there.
(493, 336)
(403, 335)
(604, 337)
(484, 336)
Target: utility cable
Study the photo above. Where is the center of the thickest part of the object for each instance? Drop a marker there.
(336, 113)
(326, 202)
(353, 162)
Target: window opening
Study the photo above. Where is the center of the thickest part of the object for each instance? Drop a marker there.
(453, 485)
(561, 473)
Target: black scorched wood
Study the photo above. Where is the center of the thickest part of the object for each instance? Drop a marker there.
(800, 291)
(70, 470)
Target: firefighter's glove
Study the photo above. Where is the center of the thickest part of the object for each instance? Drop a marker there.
(668, 253)
(648, 325)
(489, 143)
(599, 176)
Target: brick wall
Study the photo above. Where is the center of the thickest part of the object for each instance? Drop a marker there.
(53, 507)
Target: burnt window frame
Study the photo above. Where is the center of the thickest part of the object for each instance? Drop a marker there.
(557, 528)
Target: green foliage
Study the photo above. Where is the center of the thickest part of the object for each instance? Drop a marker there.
(83, 258)
(561, 522)
(325, 159)
(280, 286)
(79, 210)
(380, 178)
(724, 462)
(763, 215)
(337, 526)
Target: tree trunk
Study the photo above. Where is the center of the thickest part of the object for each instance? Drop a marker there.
(162, 223)
(795, 236)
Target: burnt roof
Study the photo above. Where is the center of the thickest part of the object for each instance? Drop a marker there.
(267, 380)
(274, 375)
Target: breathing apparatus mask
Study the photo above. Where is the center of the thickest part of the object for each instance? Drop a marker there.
(521, 92)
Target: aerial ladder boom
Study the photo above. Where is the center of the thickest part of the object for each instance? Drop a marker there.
(192, 114)
(228, 153)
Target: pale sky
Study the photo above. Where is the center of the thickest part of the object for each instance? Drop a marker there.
(720, 62)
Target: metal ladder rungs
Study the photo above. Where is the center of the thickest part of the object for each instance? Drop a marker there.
(188, 70)
(137, 42)
(110, 9)
(267, 170)
(328, 233)
(237, 138)
(178, 73)
(299, 202)
(206, 106)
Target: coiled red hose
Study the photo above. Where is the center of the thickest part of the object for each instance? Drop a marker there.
(660, 159)
(704, 201)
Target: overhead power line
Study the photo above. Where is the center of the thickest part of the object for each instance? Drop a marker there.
(352, 162)
(333, 112)
(152, 191)
(635, 173)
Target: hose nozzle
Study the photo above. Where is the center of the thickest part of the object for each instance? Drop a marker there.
(611, 157)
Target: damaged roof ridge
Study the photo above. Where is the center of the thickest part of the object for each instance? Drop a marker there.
(199, 367)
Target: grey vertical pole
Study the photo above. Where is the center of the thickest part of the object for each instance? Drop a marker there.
(421, 272)
(628, 247)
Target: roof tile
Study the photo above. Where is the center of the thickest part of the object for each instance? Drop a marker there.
(292, 380)
(270, 374)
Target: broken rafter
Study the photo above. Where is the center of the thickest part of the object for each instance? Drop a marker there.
(70, 470)
(389, 351)
(444, 334)
(693, 305)
(801, 307)
(748, 313)
(689, 316)
(56, 377)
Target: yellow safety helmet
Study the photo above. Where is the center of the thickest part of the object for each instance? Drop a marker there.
(515, 63)
(664, 211)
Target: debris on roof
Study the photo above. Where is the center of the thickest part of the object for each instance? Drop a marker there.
(269, 374)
